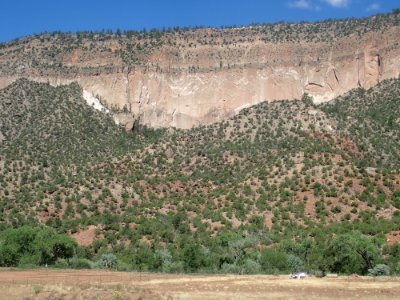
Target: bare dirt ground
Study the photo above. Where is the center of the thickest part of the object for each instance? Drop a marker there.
(86, 284)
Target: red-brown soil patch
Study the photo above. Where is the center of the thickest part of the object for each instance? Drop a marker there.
(85, 237)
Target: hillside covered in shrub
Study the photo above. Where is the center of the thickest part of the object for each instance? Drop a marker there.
(282, 186)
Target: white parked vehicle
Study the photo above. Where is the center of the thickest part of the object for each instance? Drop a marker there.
(301, 275)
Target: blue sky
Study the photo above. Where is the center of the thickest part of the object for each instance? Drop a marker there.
(22, 17)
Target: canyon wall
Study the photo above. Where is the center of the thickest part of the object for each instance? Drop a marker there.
(192, 85)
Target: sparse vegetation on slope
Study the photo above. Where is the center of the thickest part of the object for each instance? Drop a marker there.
(371, 118)
(50, 125)
(275, 188)
(51, 52)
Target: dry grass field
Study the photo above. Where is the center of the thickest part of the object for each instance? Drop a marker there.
(54, 284)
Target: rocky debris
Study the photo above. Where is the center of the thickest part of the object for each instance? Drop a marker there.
(125, 120)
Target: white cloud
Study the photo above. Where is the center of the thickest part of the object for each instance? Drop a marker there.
(338, 3)
(374, 6)
(303, 4)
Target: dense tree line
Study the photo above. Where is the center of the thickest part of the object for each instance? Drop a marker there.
(242, 253)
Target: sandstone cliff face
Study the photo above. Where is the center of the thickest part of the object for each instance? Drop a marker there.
(191, 85)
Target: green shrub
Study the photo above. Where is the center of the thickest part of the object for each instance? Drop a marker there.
(176, 267)
(61, 264)
(396, 268)
(379, 270)
(273, 261)
(295, 264)
(351, 253)
(28, 245)
(230, 268)
(251, 267)
(79, 263)
(107, 261)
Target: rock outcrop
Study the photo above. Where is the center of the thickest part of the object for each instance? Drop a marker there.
(188, 82)
(126, 120)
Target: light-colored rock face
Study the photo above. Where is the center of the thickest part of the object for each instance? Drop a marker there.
(126, 120)
(94, 102)
(205, 84)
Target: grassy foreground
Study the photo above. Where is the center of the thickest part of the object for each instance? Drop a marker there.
(85, 284)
